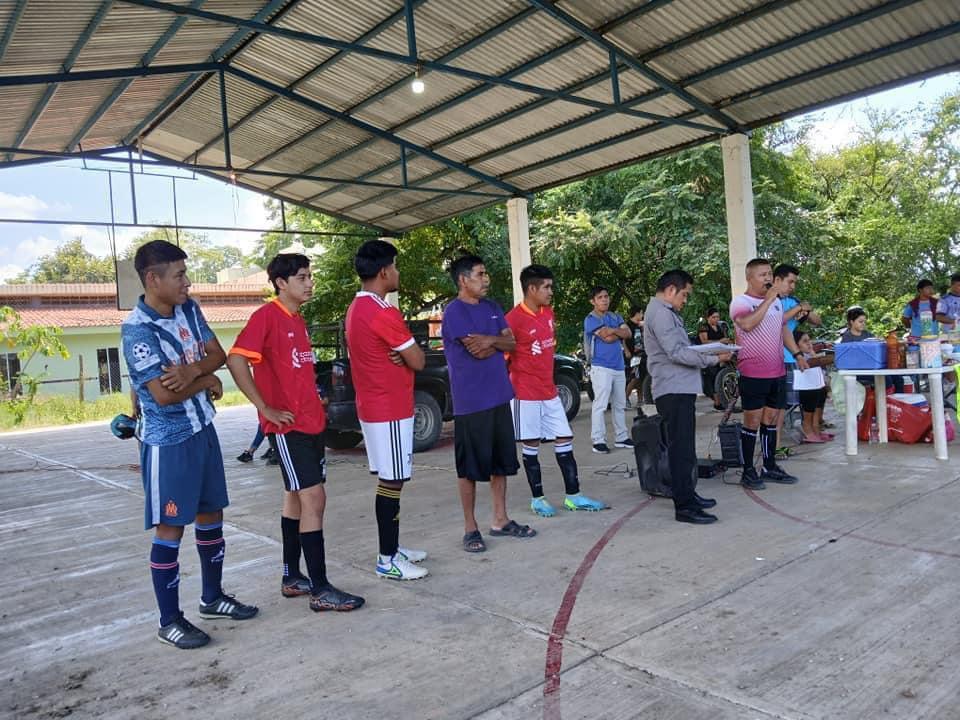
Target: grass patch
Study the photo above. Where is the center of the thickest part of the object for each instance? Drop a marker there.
(56, 410)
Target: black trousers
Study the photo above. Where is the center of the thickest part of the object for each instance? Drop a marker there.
(680, 424)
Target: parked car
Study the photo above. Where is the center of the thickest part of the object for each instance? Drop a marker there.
(432, 401)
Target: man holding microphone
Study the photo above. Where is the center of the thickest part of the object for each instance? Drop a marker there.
(762, 334)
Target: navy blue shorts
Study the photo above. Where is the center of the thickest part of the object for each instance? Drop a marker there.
(182, 480)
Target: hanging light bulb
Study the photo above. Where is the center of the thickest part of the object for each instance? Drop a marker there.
(417, 85)
(233, 177)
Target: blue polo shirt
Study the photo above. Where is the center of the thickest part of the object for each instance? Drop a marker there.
(788, 303)
(603, 354)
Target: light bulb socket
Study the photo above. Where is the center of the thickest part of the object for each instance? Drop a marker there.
(417, 85)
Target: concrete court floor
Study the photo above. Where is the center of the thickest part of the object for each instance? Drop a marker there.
(835, 598)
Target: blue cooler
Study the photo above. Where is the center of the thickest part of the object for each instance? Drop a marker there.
(865, 355)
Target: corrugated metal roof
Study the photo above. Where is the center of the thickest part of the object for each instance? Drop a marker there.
(745, 62)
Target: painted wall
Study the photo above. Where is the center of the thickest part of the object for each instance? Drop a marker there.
(62, 376)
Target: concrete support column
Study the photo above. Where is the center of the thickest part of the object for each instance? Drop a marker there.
(738, 193)
(392, 298)
(518, 226)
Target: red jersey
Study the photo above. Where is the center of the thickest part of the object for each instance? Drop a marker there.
(374, 328)
(276, 343)
(531, 363)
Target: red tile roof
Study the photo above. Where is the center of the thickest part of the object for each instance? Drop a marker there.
(77, 316)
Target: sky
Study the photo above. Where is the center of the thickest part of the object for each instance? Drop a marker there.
(64, 190)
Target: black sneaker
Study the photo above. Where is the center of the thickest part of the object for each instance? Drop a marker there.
(245, 457)
(749, 479)
(601, 448)
(226, 607)
(182, 634)
(268, 454)
(330, 598)
(627, 443)
(273, 460)
(777, 475)
(294, 586)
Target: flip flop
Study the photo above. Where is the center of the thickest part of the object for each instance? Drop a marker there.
(827, 436)
(811, 439)
(473, 542)
(512, 529)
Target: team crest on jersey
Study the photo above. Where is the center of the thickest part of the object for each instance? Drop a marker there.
(170, 509)
(185, 335)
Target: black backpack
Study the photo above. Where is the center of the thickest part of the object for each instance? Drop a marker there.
(650, 451)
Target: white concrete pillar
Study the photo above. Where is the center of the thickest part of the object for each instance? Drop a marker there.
(392, 298)
(518, 227)
(738, 193)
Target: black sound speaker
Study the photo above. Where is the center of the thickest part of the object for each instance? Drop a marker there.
(650, 451)
(730, 449)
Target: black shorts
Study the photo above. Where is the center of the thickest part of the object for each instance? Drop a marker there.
(812, 400)
(303, 459)
(756, 393)
(484, 444)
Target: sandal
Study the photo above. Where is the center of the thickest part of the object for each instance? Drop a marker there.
(473, 542)
(812, 439)
(514, 530)
(827, 436)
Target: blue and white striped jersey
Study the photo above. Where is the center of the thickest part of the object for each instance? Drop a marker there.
(151, 341)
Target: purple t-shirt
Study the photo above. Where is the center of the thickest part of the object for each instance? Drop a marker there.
(476, 384)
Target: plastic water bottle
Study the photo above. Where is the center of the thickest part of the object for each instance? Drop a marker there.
(874, 432)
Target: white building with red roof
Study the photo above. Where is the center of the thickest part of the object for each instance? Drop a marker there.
(90, 320)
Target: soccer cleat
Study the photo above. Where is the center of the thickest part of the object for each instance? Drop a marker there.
(783, 453)
(226, 607)
(294, 586)
(542, 507)
(182, 634)
(399, 568)
(582, 502)
(414, 556)
(245, 457)
(625, 443)
(750, 480)
(601, 448)
(778, 475)
(330, 598)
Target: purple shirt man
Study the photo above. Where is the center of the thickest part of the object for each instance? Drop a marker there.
(477, 384)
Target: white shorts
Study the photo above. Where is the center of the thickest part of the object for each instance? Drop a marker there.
(389, 448)
(539, 419)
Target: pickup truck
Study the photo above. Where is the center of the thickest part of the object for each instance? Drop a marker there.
(432, 401)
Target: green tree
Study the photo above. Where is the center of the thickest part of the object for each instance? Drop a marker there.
(205, 258)
(29, 341)
(69, 263)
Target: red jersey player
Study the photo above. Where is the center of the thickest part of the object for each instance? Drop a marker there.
(383, 358)
(537, 410)
(283, 389)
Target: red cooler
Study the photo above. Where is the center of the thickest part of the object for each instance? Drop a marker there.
(907, 423)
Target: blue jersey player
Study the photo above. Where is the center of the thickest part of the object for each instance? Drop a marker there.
(171, 354)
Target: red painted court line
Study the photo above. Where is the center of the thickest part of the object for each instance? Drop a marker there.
(813, 523)
(554, 659)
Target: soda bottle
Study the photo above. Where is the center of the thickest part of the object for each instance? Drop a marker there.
(874, 432)
(893, 350)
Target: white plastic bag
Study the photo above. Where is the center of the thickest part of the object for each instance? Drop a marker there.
(837, 393)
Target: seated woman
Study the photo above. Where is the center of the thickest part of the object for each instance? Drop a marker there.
(857, 332)
(812, 400)
(712, 330)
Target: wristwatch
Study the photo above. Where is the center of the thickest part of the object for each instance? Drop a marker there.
(797, 354)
